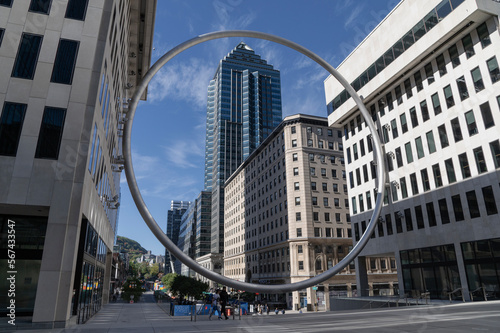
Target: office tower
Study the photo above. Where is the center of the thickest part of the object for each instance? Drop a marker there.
(243, 108)
(287, 215)
(429, 76)
(174, 216)
(68, 69)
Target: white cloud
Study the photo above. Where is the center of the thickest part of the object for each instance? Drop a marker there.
(185, 154)
(353, 15)
(186, 81)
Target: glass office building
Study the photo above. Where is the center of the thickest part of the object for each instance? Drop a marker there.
(243, 108)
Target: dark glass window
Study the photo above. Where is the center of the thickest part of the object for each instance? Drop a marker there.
(408, 91)
(484, 35)
(443, 211)
(443, 136)
(468, 46)
(420, 217)
(492, 68)
(7, 3)
(443, 9)
(431, 20)
(2, 31)
(436, 104)
(425, 110)
(464, 165)
(457, 208)
(27, 56)
(477, 79)
(471, 123)
(408, 40)
(457, 132)
(388, 57)
(420, 147)
(495, 152)
(409, 154)
(76, 9)
(418, 30)
(430, 142)
(441, 64)
(414, 184)
(450, 171)
(454, 56)
(429, 73)
(40, 6)
(399, 157)
(11, 124)
(404, 188)
(425, 180)
(438, 181)
(480, 162)
(448, 95)
(462, 88)
(51, 131)
(379, 64)
(473, 205)
(404, 124)
(489, 200)
(413, 117)
(418, 80)
(64, 64)
(408, 220)
(431, 214)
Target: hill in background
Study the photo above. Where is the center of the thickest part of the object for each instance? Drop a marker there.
(130, 245)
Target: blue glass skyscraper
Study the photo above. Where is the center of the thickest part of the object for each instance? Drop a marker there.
(243, 108)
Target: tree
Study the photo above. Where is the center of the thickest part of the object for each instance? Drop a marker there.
(168, 279)
(187, 286)
(154, 270)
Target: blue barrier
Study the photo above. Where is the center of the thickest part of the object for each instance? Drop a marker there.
(182, 310)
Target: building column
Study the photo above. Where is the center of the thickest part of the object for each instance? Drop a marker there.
(107, 278)
(462, 272)
(399, 270)
(361, 276)
(326, 292)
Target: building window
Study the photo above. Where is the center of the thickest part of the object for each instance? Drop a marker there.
(11, 124)
(483, 34)
(493, 69)
(408, 220)
(49, 139)
(64, 65)
(443, 137)
(309, 143)
(315, 216)
(313, 186)
(473, 205)
(296, 186)
(295, 157)
(425, 180)
(436, 104)
(462, 88)
(293, 129)
(336, 202)
(477, 79)
(323, 172)
(457, 208)
(431, 214)
(430, 142)
(327, 217)
(419, 217)
(40, 6)
(441, 64)
(409, 154)
(301, 265)
(468, 46)
(454, 56)
(295, 171)
(464, 165)
(92, 148)
(408, 91)
(299, 232)
(2, 31)
(489, 200)
(27, 56)
(300, 249)
(487, 116)
(6, 3)
(314, 201)
(311, 157)
(429, 73)
(414, 184)
(325, 187)
(418, 80)
(313, 171)
(76, 9)
(457, 132)
(471, 123)
(354, 207)
(443, 211)
(298, 217)
(404, 188)
(450, 171)
(495, 152)
(413, 117)
(404, 124)
(480, 162)
(438, 181)
(448, 95)
(294, 143)
(297, 201)
(420, 147)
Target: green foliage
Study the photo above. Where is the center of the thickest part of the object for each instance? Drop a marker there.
(132, 287)
(187, 286)
(130, 246)
(168, 279)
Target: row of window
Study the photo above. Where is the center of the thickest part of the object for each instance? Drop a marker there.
(49, 138)
(434, 215)
(76, 9)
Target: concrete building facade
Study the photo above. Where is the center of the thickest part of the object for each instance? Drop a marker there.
(287, 217)
(429, 76)
(67, 71)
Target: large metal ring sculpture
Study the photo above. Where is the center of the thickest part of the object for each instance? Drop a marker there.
(157, 231)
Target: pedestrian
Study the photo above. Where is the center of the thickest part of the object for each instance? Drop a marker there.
(223, 301)
(215, 305)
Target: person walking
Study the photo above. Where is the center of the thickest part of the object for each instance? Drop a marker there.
(223, 301)
(215, 305)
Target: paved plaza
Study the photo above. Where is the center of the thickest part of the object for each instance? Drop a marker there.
(149, 317)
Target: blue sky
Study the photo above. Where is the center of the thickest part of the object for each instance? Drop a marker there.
(168, 136)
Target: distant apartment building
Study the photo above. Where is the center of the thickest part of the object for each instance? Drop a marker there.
(287, 215)
(68, 69)
(174, 216)
(429, 76)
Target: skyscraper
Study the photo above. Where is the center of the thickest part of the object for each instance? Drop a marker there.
(174, 216)
(243, 108)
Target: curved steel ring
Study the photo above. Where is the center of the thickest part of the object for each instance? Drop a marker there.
(157, 231)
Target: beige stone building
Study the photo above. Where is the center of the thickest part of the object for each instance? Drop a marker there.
(287, 215)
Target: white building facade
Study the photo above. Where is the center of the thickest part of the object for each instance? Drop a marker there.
(429, 76)
(67, 70)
